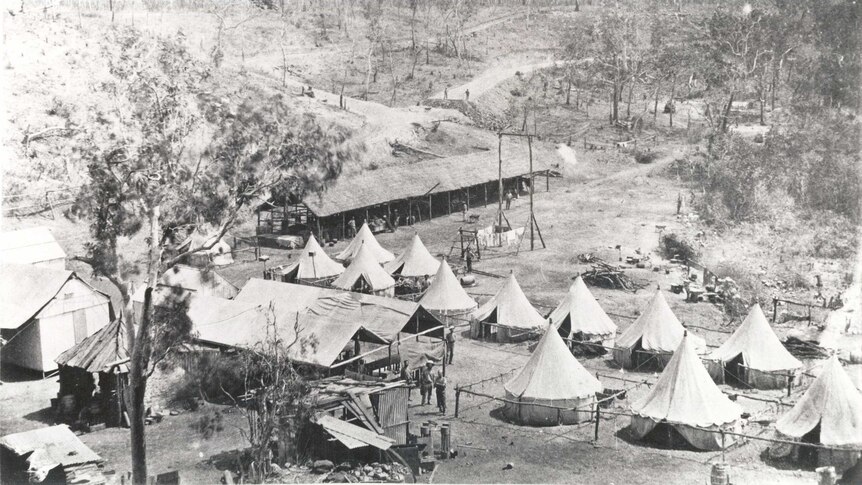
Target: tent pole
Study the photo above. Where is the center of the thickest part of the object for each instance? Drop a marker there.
(500, 179)
(598, 416)
(532, 216)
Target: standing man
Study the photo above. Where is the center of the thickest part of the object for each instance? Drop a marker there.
(351, 227)
(678, 202)
(466, 95)
(450, 345)
(464, 211)
(396, 219)
(440, 388)
(446, 92)
(468, 257)
(405, 376)
(426, 382)
(508, 198)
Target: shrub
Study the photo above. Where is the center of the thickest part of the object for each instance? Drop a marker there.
(674, 246)
(646, 156)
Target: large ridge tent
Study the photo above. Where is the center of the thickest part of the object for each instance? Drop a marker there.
(365, 275)
(44, 311)
(508, 316)
(551, 377)
(445, 295)
(650, 341)
(686, 401)
(312, 266)
(365, 238)
(753, 356)
(580, 317)
(414, 262)
(830, 414)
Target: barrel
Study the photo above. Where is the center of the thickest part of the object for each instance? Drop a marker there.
(424, 430)
(445, 441)
(719, 474)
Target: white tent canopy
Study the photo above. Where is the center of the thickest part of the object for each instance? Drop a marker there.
(313, 264)
(685, 398)
(552, 377)
(761, 353)
(657, 331)
(584, 315)
(366, 276)
(414, 262)
(511, 312)
(364, 237)
(446, 294)
(833, 404)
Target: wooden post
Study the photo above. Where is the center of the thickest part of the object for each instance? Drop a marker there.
(547, 180)
(774, 309)
(468, 197)
(366, 216)
(485, 186)
(430, 208)
(343, 226)
(721, 430)
(457, 400)
(500, 179)
(789, 384)
(598, 418)
(449, 203)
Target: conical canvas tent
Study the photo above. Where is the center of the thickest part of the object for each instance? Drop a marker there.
(685, 399)
(445, 295)
(365, 275)
(508, 316)
(414, 262)
(364, 237)
(830, 414)
(650, 341)
(552, 377)
(579, 317)
(753, 355)
(313, 265)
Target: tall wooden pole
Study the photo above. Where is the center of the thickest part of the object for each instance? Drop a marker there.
(500, 179)
(530, 149)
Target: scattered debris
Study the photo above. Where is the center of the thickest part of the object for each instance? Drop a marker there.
(605, 275)
(802, 349)
(374, 472)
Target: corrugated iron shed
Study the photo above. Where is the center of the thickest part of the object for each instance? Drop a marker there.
(353, 436)
(49, 448)
(99, 352)
(398, 182)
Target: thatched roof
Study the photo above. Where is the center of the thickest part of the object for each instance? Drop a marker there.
(398, 182)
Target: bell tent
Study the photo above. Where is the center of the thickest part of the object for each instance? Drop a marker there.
(508, 316)
(683, 402)
(650, 341)
(312, 266)
(579, 317)
(753, 356)
(445, 295)
(364, 237)
(414, 262)
(365, 275)
(830, 414)
(550, 386)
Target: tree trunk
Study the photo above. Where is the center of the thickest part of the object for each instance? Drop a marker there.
(615, 106)
(568, 90)
(726, 114)
(775, 78)
(672, 92)
(368, 71)
(629, 103)
(655, 108)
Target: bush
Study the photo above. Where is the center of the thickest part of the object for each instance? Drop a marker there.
(674, 246)
(646, 156)
(209, 378)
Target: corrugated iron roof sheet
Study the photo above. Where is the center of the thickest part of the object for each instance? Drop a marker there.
(49, 448)
(397, 182)
(353, 436)
(28, 246)
(99, 352)
(26, 289)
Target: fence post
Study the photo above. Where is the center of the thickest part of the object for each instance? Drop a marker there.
(457, 399)
(774, 309)
(598, 416)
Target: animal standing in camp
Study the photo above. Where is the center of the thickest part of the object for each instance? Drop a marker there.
(220, 268)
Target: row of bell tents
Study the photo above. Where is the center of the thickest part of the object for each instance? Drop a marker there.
(753, 355)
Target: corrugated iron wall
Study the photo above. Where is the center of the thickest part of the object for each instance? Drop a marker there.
(392, 414)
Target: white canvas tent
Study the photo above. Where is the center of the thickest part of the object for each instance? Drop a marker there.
(650, 341)
(508, 316)
(220, 254)
(445, 295)
(35, 245)
(414, 262)
(313, 265)
(829, 413)
(364, 237)
(365, 275)
(44, 311)
(685, 400)
(753, 355)
(552, 377)
(580, 317)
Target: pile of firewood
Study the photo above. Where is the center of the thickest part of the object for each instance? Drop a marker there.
(605, 275)
(802, 349)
